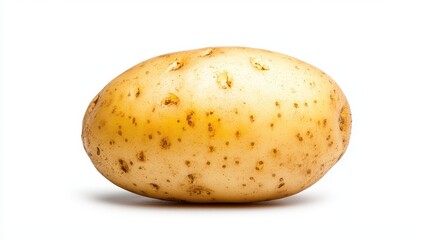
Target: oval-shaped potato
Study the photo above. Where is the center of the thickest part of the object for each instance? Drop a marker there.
(225, 124)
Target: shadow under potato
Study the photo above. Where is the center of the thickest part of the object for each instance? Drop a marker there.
(122, 198)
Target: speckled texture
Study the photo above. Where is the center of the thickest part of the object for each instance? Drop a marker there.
(224, 124)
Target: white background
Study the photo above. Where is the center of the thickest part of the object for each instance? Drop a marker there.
(56, 55)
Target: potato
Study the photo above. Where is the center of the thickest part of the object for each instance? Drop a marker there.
(224, 124)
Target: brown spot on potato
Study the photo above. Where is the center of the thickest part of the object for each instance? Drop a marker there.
(280, 185)
(223, 166)
(119, 132)
(98, 151)
(277, 103)
(259, 165)
(324, 122)
(208, 163)
(279, 115)
(211, 148)
(227, 143)
(342, 120)
(190, 118)
(211, 130)
(199, 190)
(308, 171)
(237, 134)
(299, 137)
(296, 105)
(141, 157)
(123, 165)
(252, 118)
(171, 100)
(191, 178)
(137, 93)
(258, 64)
(252, 144)
(187, 163)
(165, 143)
(155, 186)
(224, 80)
(275, 151)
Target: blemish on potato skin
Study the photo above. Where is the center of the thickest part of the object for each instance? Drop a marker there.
(165, 143)
(252, 118)
(207, 52)
(188, 163)
(208, 163)
(211, 149)
(123, 165)
(275, 151)
(308, 171)
(190, 118)
(199, 190)
(295, 105)
(224, 80)
(259, 165)
(342, 119)
(191, 178)
(171, 100)
(141, 157)
(98, 151)
(237, 134)
(281, 185)
(211, 130)
(299, 137)
(137, 93)
(257, 64)
(155, 186)
(176, 65)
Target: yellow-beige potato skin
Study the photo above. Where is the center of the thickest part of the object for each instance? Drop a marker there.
(222, 124)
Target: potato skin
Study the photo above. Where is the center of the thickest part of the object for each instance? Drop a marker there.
(221, 124)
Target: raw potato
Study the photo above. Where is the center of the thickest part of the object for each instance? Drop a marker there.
(227, 124)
